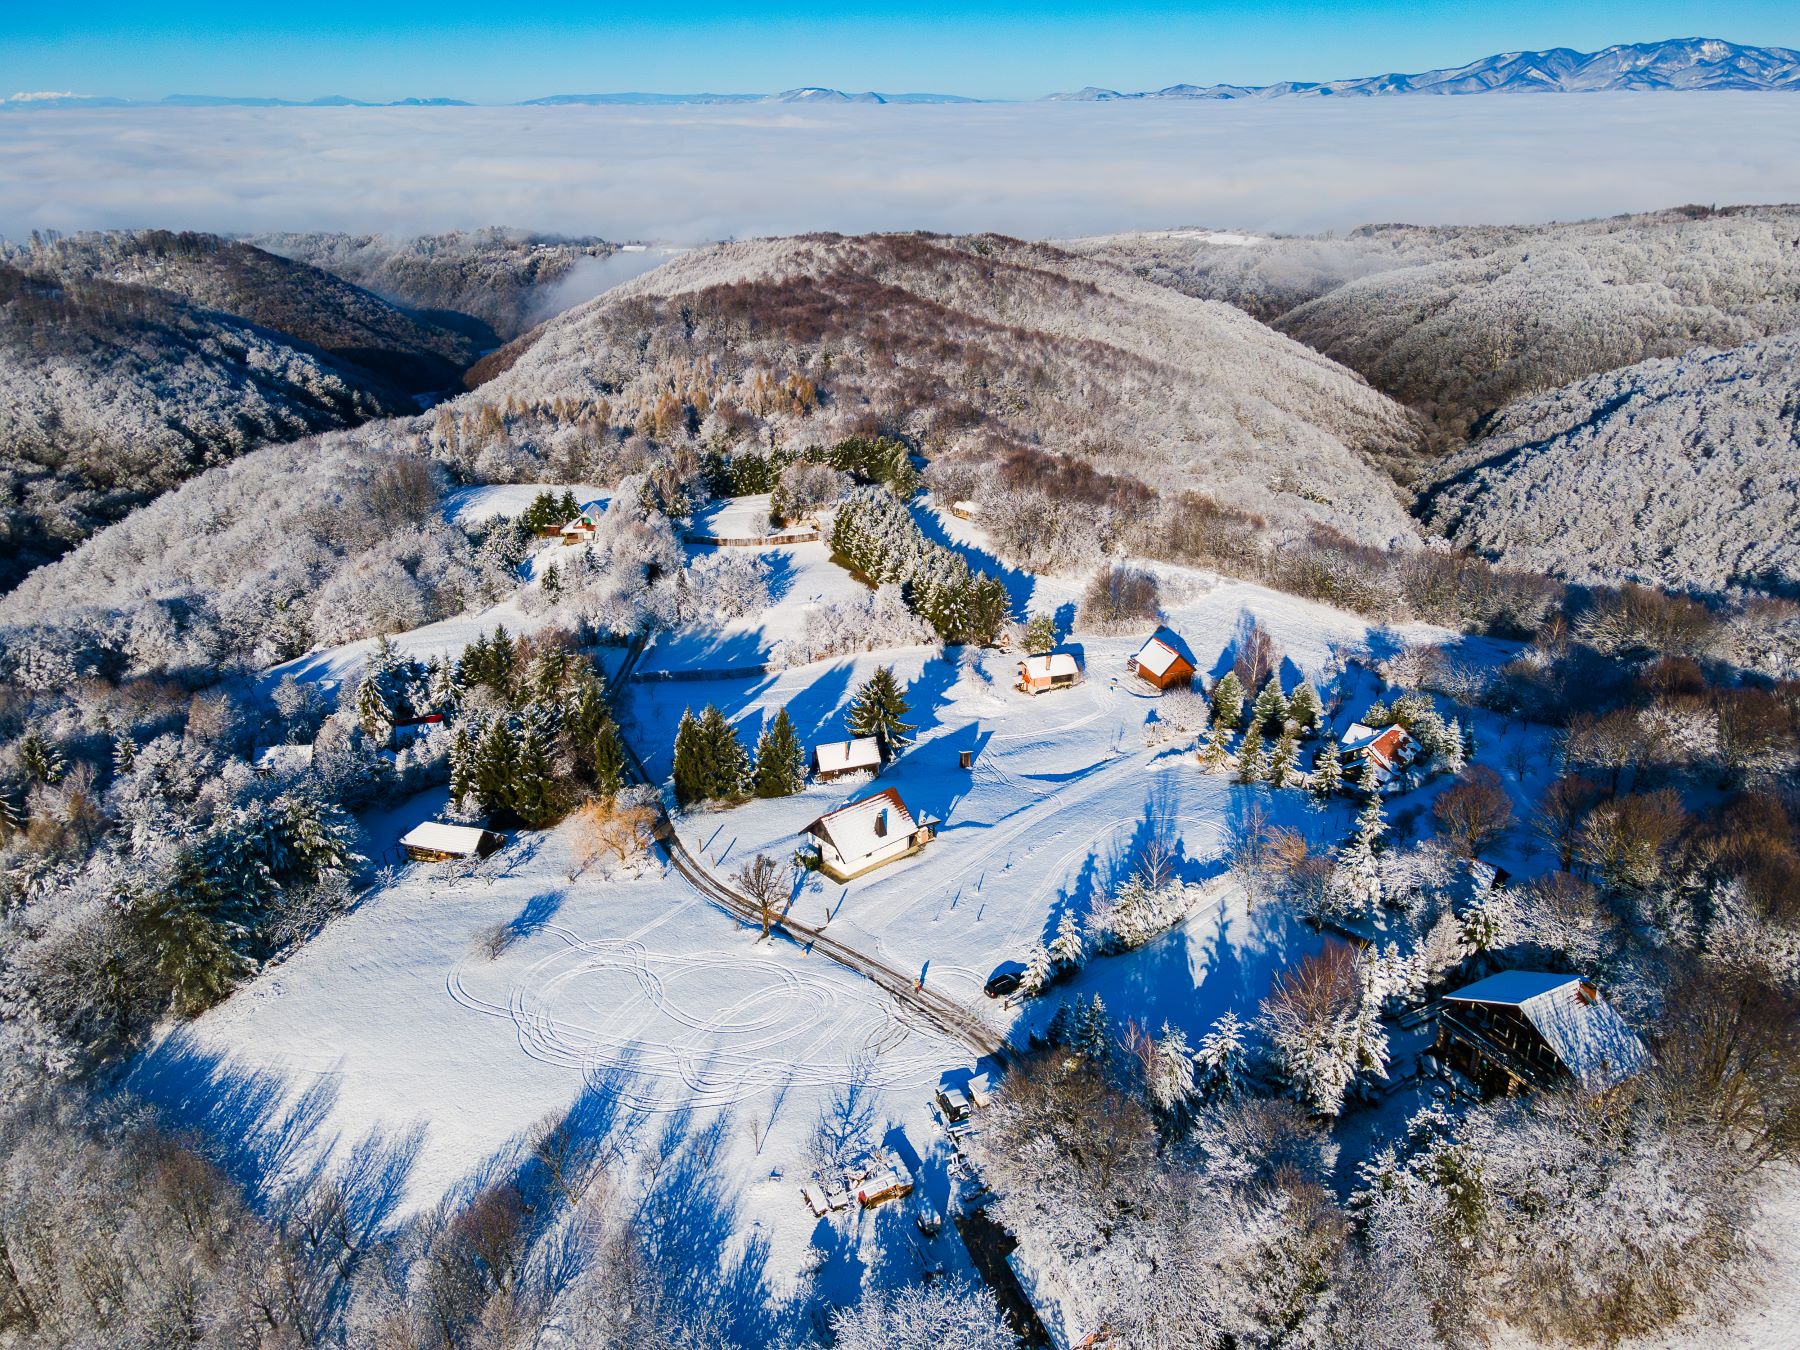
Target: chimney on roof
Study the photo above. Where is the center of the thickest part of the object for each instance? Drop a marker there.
(881, 824)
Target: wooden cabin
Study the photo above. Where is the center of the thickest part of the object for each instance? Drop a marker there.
(1531, 1029)
(836, 759)
(1163, 662)
(438, 841)
(867, 834)
(1389, 750)
(1052, 670)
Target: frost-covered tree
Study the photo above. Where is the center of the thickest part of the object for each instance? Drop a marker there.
(1304, 708)
(1220, 1060)
(1253, 758)
(878, 709)
(1270, 712)
(944, 1315)
(1356, 879)
(1039, 968)
(1283, 768)
(1328, 770)
(1228, 701)
(41, 758)
(1324, 1027)
(1067, 948)
(1169, 1071)
(1040, 633)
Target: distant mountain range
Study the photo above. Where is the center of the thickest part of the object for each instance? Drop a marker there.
(1678, 64)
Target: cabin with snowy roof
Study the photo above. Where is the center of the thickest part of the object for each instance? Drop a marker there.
(439, 841)
(1525, 1028)
(581, 529)
(1388, 750)
(1052, 670)
(1163, 661)
(867, 834)
(837, 759)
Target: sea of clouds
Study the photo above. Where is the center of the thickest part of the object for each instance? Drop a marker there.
(689, 174)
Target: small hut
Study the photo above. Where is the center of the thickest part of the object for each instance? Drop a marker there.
(1053, 670)
(439, 841)
(1163, 662)
(836, 759)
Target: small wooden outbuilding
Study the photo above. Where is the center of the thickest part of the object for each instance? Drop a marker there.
(1163, 661)
(835, 759)
(439, 841)
(1052, 670)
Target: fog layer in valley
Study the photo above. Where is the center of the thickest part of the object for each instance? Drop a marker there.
(692, 174)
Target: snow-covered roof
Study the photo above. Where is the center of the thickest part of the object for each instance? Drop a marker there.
(1590, 1039)
(438, 837)
(1384, 743)
(1050, 666)
(860, 828)
(845, 756)
(1156, 656)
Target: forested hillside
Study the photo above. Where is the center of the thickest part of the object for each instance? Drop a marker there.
(1026, 367)
(130, 362)
(494, 275)
(1457, 323)
(1681, 473)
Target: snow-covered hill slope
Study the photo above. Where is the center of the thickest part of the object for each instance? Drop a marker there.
(977, 347)
(1460, 322)
(130, 363)
(1682, 473)
(494, 275)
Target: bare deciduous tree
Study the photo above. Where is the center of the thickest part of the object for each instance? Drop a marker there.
(768, 885)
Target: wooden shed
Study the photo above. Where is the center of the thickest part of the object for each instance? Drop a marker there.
(1163, 661)
(439, 841)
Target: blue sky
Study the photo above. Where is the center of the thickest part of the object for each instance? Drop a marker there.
(492, 52)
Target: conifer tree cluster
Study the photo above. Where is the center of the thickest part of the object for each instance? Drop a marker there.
(877, 536)
(711, 763)
(548, 511)
(545, 734)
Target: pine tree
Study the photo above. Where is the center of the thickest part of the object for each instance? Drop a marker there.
(321, 837)
(1093, 1034)
(1328, 769)
(1253, 762)
(1040, 634)
(374, 714)
(780, 763)
(728, 763)
(1304, 708)
(41, 758)
(1451, 753)
(567, 507)
(1357, 876)
(1067, 947)
(552, 582)
(531, 794)
(877, 710)
(1219, 1062)
(12, 815)
(462, 766)
(1215, 749)
(1228, 702)
(1271, 710)
(607, 760)
(191, 934)
(442, 689)
(1282, 761)
(1170, 1073)
(691, 773)
(496, 763)
(124, 755)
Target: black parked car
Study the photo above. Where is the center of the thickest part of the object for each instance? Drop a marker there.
(1005, 980)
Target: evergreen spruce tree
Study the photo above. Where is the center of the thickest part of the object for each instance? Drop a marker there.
(1040, 634)
(1304, 708)
(552, 582)
(42, 758)
(321, 838)
(567, 507)
(124, 755)
(1215, 749)
(1328, 770)
(1451, 751)
(1253, 761)
(1038, 969)
(607, 761)
(192, 935)
(877, 710)
(1357, 877)
(462, 766)
(531, 795)
(1170, 1072)
(374, 714)
(1271, 710)
(442, 689)
(1219, 1062)
(1283, 760)
(1228, 702)
(728, 764)
(12, 815)
(496, 765)
(780, 763)
(692, 774)
(1093, 1036)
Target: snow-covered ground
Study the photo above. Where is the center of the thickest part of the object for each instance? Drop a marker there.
(736, 518)
(802, 577)
(472, 505)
